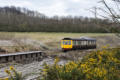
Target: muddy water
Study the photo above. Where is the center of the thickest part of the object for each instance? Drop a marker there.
(31, 69)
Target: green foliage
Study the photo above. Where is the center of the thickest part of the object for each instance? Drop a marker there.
(99, 65)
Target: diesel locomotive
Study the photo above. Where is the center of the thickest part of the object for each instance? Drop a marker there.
(78, 43)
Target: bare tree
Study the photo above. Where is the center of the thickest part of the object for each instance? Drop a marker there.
(109, 11)
(113, 12)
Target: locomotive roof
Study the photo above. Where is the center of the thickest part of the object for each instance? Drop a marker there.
(81, 38)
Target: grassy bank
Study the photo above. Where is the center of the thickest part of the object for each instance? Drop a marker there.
(52, 40)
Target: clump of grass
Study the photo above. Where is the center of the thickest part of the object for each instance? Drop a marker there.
(99, 65)
(13, 74)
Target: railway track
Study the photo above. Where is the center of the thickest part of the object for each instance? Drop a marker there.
(22, 57)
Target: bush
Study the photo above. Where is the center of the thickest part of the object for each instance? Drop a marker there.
(99, 65)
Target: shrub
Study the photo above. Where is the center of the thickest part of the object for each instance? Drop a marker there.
(99, 65)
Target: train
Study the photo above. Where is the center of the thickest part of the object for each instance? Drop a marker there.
(78, 43)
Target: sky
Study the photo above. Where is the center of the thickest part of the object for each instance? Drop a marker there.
(55, 7)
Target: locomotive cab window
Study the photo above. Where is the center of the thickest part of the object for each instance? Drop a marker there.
(63, 42)
(69, 42)
(66, 42)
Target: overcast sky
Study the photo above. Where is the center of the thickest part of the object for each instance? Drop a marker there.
(55, 7)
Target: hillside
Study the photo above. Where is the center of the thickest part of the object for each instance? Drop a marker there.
(16, 19)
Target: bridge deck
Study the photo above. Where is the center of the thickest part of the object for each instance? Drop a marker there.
(19, 53)
(22, 57)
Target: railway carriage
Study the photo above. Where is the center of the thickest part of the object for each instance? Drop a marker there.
(78, 43)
